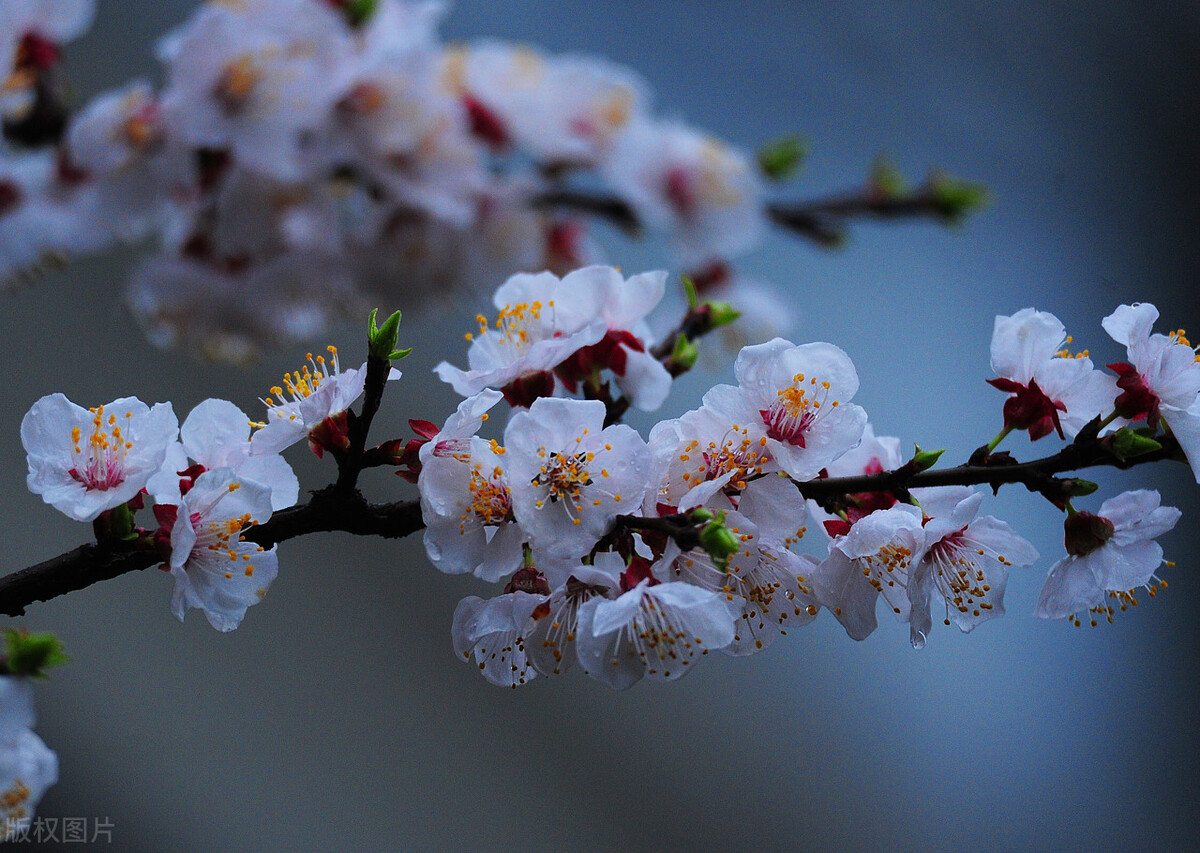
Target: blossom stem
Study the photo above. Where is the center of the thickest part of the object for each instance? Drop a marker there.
(352, 463)
(1000, 436)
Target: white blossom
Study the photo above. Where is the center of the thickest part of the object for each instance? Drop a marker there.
(85, 461)
(1109, 555)
(541, 321)
(654, 629)
(1054, 391)
(571, 475)
(214, 567)
(706, 196)
(318, 391)
(966, 561)
(466, 501)
(1162, 378)
(216, 434)
(491, 631)
(802, 395)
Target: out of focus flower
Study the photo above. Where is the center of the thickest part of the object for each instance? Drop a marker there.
(706, 197)
(27, 766)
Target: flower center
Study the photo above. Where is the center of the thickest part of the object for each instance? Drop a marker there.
(301, 384)
(223, 538)
(960, 580)
(100, 459)
(236, 84)
(491, 502)
(887, 569)
(796, 409)
(517, 327)
(564, 476)
(737, 453)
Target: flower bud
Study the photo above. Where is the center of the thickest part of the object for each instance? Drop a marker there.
(923, 460)
(381, 340)
(780, 159)
(1127, 444)
(720, 542)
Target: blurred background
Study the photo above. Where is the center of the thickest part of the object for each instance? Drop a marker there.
(337, 716)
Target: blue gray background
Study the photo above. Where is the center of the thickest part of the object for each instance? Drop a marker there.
(337, 716)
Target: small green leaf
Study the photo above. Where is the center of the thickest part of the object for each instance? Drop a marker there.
(721, 314)
(359, 11)
(1076, 487)
(31, 654)
(955, 198)
(689, 287)
(886, 179)
(923, 460)
(381, 340)
(780, 159)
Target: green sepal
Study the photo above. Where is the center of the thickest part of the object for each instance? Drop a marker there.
(1126, 444)
(30, 654)
(781, 158)
(1077, 487)
(121, 524)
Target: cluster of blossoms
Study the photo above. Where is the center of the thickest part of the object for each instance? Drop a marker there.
(210, 480)
(308, 155)
(635, 557)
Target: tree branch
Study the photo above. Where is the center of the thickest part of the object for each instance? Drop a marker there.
(335, 509)
(820, 220)
(330, 509)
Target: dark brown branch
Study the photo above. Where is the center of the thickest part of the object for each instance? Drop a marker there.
(330, 509)
(611, 208)
(821, 220)
(350, 465)
(1038, 475)
(334, 509)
